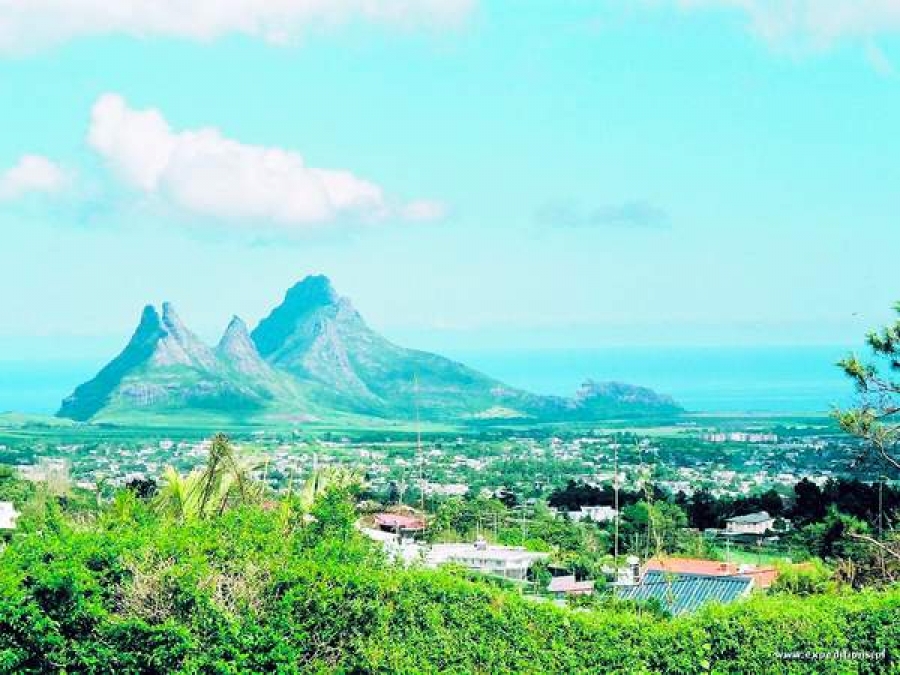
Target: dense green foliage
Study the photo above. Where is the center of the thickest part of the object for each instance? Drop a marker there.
(875, 418)
(265, 590)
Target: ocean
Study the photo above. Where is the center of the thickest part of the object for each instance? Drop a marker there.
(708, 379)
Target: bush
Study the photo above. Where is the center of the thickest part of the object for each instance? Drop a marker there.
(240, 593)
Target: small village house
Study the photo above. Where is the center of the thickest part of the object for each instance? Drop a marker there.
(597, 514)
(396, 523)
(763, 576)
(561, 587)
(753, 523)
(682, 593)
(511, 562)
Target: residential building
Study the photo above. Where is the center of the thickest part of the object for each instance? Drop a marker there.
(682, 593)
(512, 562)
(399, 524)
(597, 514)
(753, 523)
(763, 577)
(397, 548)
(567, 585)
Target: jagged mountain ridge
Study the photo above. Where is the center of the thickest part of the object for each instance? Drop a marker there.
(165, 368)
(319, 337)
(238, 351)
(314, 353)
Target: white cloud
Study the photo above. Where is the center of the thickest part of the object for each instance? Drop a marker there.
(819, 22)
(203, 172)
(26, 25)
(424, 210)
(32, 173)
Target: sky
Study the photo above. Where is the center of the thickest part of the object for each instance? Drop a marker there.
(472, 173)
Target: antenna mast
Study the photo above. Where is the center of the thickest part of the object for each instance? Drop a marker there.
(616, 507)
(419, 453)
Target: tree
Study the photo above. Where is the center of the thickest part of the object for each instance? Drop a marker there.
(652, 528)
(143, 488)
(328, 478)
(831, 537)
(334, 513)
(772, 503)
(809, 506)
(875, 419)
(702, 510)
(508, 497)
(224, 481)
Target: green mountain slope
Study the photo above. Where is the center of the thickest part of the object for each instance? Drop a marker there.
(319, 337)
(314, 356)
(167, 370)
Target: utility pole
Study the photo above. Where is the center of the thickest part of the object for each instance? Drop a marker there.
(648, 498)
(421, 455)
(616, 507)
(881, 522)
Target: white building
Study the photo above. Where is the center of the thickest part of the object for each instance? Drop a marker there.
(398, 549)
(752, 523)
(512, 562)
(8, 516)
(598, 514)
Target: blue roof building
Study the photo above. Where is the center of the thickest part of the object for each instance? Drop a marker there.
(680, 593)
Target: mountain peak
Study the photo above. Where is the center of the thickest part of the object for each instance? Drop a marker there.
(150, 322)
(314, 290)
(236, 336)
(619, 393)
(172, 322)
(178, 345)
(314, 296)
(236, 348)
(93, 395)
(236, 326)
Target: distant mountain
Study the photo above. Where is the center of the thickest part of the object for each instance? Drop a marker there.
(167, 370)
(314, 356)
(319, 337)
(237, 350)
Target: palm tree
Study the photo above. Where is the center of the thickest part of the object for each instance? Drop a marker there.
(224, 481)
(177, 497)
(326, 478)
(297, 507)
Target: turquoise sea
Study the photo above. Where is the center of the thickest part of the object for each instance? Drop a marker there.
(709, 379)
(713, 379)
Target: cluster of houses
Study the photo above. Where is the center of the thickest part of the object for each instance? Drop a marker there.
(678, 584)
(396, 532)
(739, 437)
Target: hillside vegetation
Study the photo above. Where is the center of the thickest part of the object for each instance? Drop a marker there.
(233, 586)
(313, 359)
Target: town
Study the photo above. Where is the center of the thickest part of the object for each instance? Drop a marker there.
(565, 516)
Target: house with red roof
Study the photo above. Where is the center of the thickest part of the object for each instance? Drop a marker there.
(399, 524)
(763, 577)
(567, 585)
